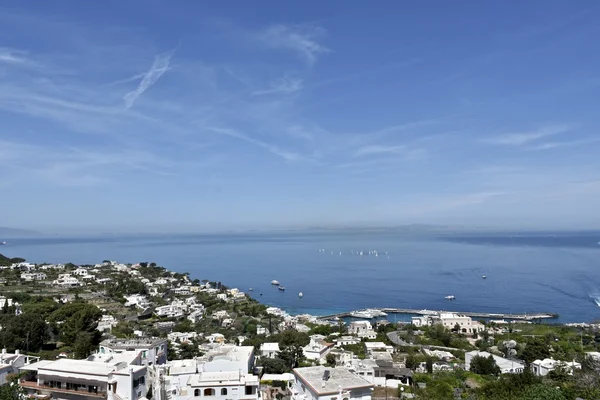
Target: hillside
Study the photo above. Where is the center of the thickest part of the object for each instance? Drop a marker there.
(5, 261)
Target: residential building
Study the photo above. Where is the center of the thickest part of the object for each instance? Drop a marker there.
(320, 383)
(170, 311)
(362, 329)
(223, 385)
(80, 272)
(229, 358)
(450, 321)
(317, 349)
(138, 300)
(66, 280)
(347, 340)
(106, 323)
(10, 363)
(182, 337)
(153, 350)
(216, 338)
(372, 347)
(543, 367)
(506, 366)
(33, 276)
(85, 379)
(269, 350)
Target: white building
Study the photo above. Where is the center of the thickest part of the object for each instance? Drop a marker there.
(317, 349)
(10, 363)
(347, 340)
(506, 366)
(229, 358)
(450, 321)
(543, 367)
(66, 280)
(225, 385)
(138, 300)
(373, 347)
(170, 311)
(362, 329)
(153, 350)
(33, 276)
(320, 383)
(86, 380)
(106, 323)
(269, 350)
(182, 337)
(80, 272)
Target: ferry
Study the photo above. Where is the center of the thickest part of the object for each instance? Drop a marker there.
(369, 313)
(450, 297)
(274, 282)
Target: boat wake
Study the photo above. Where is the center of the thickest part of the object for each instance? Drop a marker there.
(595, 298)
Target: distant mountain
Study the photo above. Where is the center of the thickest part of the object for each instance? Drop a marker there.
(13, 232)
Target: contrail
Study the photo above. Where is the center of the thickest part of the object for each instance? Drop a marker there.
(158, 68)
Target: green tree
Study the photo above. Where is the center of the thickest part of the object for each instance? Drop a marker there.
(542, 392)
(484, 365)
(26, 332)
(535, 349)
(330, 359)
(76, 317)
(12, 390)
(84, 344)
(274, 365)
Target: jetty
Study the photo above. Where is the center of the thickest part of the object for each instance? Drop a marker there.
(524, 317)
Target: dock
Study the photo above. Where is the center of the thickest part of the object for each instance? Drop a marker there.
(523, 317)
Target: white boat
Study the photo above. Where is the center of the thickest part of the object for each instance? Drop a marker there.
(368, 313)
(450, 297)
(274, 282)
(300, 294)
(484, 277)
(281, 288)
(2, 243)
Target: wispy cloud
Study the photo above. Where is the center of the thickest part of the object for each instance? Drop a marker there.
(379, 149)
(285, 85)
(300, 39)
(523, 138)
(157, 69)
(555, 145)
(272, 148)
(11, 56)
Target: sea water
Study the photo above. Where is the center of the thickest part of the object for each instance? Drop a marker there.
(556, 273)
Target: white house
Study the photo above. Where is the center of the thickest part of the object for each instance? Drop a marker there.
(106, 323)
(372, 347)
(216, 338)
(80, 271)
(138, 300)
(269, 350)
(171, 311)
(362, 329)
(224, 385)
(317, 349)
(33, 276)
(85, 379)
(10, 363)
(543, 367)
(153, 350)
(66, 280)
(229, 358)
(506, 366)
(320, 383)
(182, 337)
(464, 323)
(346, 340)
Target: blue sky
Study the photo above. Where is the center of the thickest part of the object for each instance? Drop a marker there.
(154, 115)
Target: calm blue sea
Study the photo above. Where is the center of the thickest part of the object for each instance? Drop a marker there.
(525, 273)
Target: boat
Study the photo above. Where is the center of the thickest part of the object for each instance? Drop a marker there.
(261, 294)
(300, 294)
(450, 297)
(484, 277)
(2, 243)
(274, 282)
(282, 288)
(369, 313)
(250, 290)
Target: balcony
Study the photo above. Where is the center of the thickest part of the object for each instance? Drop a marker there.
(34, 386)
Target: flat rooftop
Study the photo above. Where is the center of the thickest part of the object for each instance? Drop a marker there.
(338, 377)
(78, 367)
(132, 343)
(221, 378)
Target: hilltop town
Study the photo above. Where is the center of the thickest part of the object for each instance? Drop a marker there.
(139, 331)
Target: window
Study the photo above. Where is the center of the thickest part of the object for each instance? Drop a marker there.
(223, 392)
(249, 389)
(196, 392)
(209, 392)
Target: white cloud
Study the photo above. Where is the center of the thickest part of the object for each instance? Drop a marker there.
(285, 85)
(302, 40)
(523, 138)
(12, 56)
(378, 149)
(158, 69)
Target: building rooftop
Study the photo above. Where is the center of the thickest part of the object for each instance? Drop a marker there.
(139, 343)
(229, 352)
(78, 367)
(183, 367)
(274, 346)
(217, 378)
(338, 377)
(36, 365)
(504, 363)
(375, 345)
